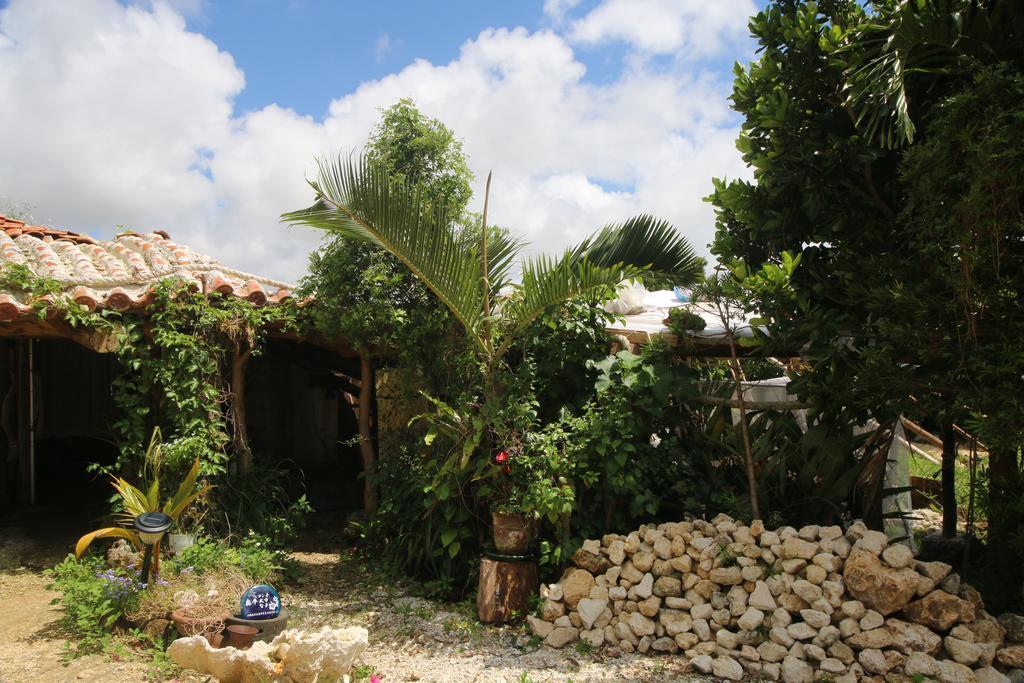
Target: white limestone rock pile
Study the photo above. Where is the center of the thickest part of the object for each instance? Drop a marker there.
(795, 605)
(294, 656)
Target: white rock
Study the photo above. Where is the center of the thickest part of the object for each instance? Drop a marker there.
(898, 556)
(796, 671)
(617, 552)
(781, 636)
(641, 625)
(832, 665)
(727, 668)
(990, 675)
(761, 598)
(873, 661)
(595, 637)
(304, 656)
(801, 631)
(560, 637)
(921, 664)
(871, 620)
(539, 627)
(751, 619)
(727, 639)
(872, 541)
(703, 663)
(645, 587)
(772, 652)
(589, 610)
(815, 618)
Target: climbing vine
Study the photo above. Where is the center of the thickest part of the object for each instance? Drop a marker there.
(175, 355)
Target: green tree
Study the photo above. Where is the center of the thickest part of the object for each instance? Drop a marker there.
(367, 296)
(360, 199)
(415, 148)
(862, 168)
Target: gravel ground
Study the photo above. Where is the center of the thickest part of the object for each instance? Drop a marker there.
(411, 639)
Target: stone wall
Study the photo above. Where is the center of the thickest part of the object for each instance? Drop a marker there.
(793, 605)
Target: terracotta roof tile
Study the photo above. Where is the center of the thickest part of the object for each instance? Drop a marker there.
(119, 273)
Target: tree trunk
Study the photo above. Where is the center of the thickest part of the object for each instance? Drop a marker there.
(367, 447)
(240, 432)
(949, 517)
(1005, 519)
(748, 454)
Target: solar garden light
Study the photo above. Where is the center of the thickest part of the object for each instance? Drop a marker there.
(151, 527)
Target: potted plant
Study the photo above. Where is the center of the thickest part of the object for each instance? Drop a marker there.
(526, 484)
(138, 500)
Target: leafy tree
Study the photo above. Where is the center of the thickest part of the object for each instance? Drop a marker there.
(865, 132)
(359, 199)
(366, 296)
(415, 148)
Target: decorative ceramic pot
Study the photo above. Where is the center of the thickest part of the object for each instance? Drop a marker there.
(268, 628)
(240, 636)
(512, 533)
(178, 542)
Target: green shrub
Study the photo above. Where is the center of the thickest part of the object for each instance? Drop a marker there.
(255, 556)
(94, 598)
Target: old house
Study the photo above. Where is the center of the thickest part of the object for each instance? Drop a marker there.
(299, 397)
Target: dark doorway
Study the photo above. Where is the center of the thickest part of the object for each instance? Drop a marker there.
(299, 420)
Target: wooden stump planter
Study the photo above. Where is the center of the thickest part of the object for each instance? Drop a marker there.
(506, 584)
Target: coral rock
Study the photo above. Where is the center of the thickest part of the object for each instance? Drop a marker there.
(939, 610)
(294, 656)
(880, 588)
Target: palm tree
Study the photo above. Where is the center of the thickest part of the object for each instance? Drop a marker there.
(357, 199)
(474, 278)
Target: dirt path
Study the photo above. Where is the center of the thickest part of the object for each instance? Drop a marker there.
(32, 643)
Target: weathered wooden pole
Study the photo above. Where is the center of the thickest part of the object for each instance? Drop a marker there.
(367, 447)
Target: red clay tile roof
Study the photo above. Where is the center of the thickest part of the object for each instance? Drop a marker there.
(119, 273)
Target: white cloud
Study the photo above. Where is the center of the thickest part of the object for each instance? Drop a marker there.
(698, 28)
(118, 114)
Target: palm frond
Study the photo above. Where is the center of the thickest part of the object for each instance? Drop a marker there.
(931, 38)
(547, 281)
(358, 199)
(503, 250)
(644, 242)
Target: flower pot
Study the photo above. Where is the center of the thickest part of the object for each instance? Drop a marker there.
(240, 636)
(178, 542)
(512, 533)
(187, 624)
(268, 628)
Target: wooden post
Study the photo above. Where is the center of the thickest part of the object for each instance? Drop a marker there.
(949, 516)
(367, 447)
(240, 432)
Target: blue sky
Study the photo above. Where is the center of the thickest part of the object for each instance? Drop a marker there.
(302, 53)
(204, 118)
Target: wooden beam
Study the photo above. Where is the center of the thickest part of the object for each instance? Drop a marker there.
(367, 448)
(240, 430)
(752, 405)
(921, 432)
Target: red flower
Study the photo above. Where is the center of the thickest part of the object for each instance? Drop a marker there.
(501, 457)
(508, 470)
